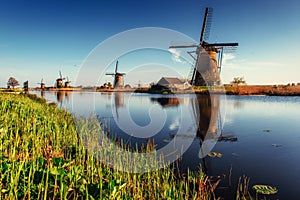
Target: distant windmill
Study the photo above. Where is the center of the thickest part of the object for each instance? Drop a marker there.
(207, 63)
(42, 84)
(67, 83)
(59, 81)
(118, 81)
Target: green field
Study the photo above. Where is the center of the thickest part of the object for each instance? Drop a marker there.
(42, 157)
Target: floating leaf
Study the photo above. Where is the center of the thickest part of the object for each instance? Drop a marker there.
(219, 155)
(215, 154)
(276, 145)
(166, 140)
(267, 131)
(211, 154)
(265, 189)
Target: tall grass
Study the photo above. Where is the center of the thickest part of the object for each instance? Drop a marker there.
(42, 157)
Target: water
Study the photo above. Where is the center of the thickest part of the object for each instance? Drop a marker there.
(261, 137)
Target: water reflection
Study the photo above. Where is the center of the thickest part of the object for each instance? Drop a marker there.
(118, 102)
(61, 97)
(166, 101)
(42, 93)
(246, 118)
(207, 115)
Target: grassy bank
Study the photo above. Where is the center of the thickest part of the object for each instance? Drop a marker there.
(270, 90)
(42, 157)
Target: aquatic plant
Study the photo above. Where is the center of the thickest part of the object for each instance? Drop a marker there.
(43, 157)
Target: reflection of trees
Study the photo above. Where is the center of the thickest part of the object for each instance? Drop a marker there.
(167, 102)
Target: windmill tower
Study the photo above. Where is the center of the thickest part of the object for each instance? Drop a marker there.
(118, 81)
(42, 85)
(67, 83)
(208, 56)
(59, 81)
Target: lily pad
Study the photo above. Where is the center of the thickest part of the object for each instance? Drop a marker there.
(276, 145)
(267, 130)
(215, 154)
(265, 189)
(166, 140)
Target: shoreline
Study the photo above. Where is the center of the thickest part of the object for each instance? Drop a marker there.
(250, 90)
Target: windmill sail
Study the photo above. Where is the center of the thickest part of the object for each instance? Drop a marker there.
(208, 56)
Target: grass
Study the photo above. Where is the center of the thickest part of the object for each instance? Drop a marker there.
(42, 157)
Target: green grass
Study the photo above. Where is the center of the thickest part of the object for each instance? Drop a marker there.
(42, 157)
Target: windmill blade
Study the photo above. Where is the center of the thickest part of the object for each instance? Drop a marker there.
(42, 80)
(116, 70)
(206, 25)
(60, 74)
(183, 46)
(233, 44)
(112, 74)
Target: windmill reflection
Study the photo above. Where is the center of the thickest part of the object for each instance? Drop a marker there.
(119, 101)
(62, 96)
(42, 93)
(206, 110)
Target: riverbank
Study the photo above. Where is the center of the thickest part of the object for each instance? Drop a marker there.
(43, 157)
(269, 90)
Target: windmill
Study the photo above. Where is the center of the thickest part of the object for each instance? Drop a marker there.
(42, 84)
(59, 81)
(207, 68)
(118, 81)
(67, 83)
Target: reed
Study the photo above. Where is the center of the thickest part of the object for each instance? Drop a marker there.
(43, 157)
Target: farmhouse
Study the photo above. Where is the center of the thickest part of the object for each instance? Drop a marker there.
(173, 83)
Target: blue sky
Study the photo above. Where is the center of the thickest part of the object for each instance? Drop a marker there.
(39, 38)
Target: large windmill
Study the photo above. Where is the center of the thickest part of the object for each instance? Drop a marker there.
(118, 81)
(208, 56)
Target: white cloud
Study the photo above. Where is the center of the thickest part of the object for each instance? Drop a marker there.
(176, 55)
(175, 124)
(230, 62)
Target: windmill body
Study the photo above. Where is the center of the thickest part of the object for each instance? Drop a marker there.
(42, 85)
(208, 59)
(67, 83)
(118, 77)
(59, 81)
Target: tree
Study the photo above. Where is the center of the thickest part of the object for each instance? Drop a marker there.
(12, 82)
(238, 80)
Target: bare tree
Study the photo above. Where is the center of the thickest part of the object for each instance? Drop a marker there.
(238, 80)
(12, 82)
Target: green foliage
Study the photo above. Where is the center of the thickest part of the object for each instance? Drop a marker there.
(42, 157)
(238, 80)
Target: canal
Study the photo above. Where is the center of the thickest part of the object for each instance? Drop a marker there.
(256, 136)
